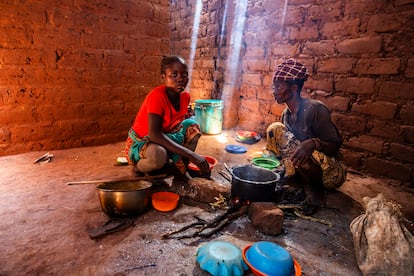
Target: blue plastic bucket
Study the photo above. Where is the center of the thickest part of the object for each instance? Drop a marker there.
(209, 114)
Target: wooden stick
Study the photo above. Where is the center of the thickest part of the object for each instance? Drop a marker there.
(225, 175)
(228, 168)
(44, 156)
(289, 206)
(214, 225)
(159, 176)
(167, 235)
(301, 215)
(227, 220)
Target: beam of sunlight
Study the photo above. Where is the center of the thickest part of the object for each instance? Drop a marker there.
(236, 40)
(222, 138)
(234, 47)
(225, 138)
(223, 23)
(194, 35)
(221, 35)
(283, 16)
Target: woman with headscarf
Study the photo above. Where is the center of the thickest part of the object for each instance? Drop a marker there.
(306, 139)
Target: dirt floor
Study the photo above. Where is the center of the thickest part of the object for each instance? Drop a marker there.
(44, 222)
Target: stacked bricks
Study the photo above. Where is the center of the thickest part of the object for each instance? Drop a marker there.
(359, 54)
(74, 73)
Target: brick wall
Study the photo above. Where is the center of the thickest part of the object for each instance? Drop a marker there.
(360, 56)
(73, 73)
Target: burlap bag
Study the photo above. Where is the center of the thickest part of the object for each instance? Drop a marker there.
(383, 245)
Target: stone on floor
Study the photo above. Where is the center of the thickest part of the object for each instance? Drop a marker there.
(266, 217)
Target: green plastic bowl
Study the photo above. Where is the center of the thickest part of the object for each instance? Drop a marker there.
(266, 163)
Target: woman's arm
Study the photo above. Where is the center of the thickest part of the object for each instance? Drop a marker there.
(305, 149)
(329, 148)
(157, 136)
(326, 139)
(325, 131)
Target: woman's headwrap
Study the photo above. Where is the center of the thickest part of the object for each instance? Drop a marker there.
(290, 70)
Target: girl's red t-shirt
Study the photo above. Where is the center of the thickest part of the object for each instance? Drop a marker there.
(157, 102)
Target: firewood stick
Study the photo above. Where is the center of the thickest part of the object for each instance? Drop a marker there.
(228, 168)
(216, 224)
(199, 222)
(289, 206)
(303, 216)
(224, 222)
(214, 230)
(225, 175)
(167, 235)
(115, 180)
(217, 219)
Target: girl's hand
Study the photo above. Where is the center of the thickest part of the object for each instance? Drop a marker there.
(201, 163)
(303, 153)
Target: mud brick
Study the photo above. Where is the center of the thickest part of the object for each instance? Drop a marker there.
(360, 45)
(266, 217)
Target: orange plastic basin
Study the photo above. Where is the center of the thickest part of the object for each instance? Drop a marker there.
(210, 159)
(165, 201)
(256, 272)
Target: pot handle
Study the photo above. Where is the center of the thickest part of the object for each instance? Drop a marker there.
(278, 186)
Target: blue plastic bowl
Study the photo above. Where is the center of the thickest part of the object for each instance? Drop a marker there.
(271, 259)
(221, 258)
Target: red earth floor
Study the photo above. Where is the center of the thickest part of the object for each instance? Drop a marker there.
(44, 222)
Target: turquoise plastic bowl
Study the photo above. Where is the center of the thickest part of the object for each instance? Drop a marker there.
(271, 259)
(220, 258)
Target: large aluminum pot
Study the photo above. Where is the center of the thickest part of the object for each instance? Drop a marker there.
(124, 198)
(255, 184)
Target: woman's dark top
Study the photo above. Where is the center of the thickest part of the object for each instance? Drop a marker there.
(313, 121)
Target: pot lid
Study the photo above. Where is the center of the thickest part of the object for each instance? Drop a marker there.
(247, 137)
(235, 149)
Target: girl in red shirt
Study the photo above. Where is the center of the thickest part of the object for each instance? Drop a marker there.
(160, 131)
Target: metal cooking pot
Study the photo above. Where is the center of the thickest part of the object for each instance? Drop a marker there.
(255, 184)
(124, 198)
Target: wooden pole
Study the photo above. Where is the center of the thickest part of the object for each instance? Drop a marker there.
(149, 177)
